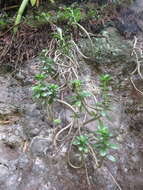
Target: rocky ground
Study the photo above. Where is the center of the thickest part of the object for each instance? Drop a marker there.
(28, 160)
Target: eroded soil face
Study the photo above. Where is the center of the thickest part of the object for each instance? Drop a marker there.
(28, 159)
(26, 138)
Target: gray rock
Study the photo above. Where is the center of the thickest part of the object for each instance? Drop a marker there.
(13, 140)
(39, 167)
(23, 161)
(39, 146)
(31, 110)
(7, 109)
(13, 181)
(32, 126)
(20, 76)
(109, 49)
(4, 172)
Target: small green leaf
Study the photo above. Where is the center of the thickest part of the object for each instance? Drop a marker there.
(44, 94)
(44, 88)
(59, 30)
(43, 102)
(52, 1)
(83, 139)
(34, 88)
(113, 146)
(85, 94)
(57, 121)
(40, 76)
(33, 2)
(80, 148)
(109, 117)
(105, 77)
(37, 96)
(86, 150)
(111, 158)
(76, 142)
(110, 134)
(103, 113)
(78, 103)
(103, 152)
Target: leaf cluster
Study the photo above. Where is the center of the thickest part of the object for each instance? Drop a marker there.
(82, 143)
(63, 43)
(43, 90)
(46, 92)
(103, 144)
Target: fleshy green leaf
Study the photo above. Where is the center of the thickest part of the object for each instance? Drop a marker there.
(59, 30)
(37, 95)
(103, 152)
(83, 139)
(103, 113)
(114, 146)
(78, 103)
(86, 150)
(33, 2)
(111, 158)
(52, 1)
(57, 121)
(76, 142)
(44, 94)
(80, 148)
(85, 94)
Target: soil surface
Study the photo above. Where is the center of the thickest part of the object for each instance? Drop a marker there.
(28, 159)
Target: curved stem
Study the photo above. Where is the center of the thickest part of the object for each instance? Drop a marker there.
(82, 28)
(91, 120)
(68, 105)
(57, 135)
(69, 161)
(79, 51)
(19, 14)
(93, 154)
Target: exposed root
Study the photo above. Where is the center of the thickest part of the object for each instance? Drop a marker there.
(69, 160)
(115, 181)
(94, 155)
(137, 51)
(87, 33)
(70, 125)
(135, 86)
(68, 105)
(79, 51)
(87, 176)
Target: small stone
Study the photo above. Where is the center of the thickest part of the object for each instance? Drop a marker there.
(20, 76)
(13, 140)
(7, 109)
(4, 172)
(23, 161)
(39, 146)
